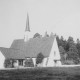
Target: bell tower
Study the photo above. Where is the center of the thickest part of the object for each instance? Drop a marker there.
(27, 30)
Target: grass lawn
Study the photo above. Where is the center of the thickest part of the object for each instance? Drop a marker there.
(56, 73)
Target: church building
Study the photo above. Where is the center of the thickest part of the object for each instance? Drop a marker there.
(29, 48)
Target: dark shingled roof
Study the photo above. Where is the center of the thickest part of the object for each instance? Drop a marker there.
(12, 53)
(20, 49)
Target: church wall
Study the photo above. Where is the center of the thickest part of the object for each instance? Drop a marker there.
(44, 62)
(2, 59)
(34, 61)
(54, 55)
(50, 62)
(58, 63)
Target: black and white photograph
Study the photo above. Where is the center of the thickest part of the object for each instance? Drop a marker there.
(39, 39)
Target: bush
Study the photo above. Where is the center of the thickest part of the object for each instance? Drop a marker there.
(29, 63)
(7, 63)
(39, 58)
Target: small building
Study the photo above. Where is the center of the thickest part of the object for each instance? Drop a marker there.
(28, 48)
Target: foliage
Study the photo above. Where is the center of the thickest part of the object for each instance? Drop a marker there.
(61, 42)
(78, 47)
(73, 54)
(69, 62)
(70, 41)
(62, 53)
(61, 49)
(29, 63)
(8, 63)
(37, 35)
(69, 48)
(39, 58)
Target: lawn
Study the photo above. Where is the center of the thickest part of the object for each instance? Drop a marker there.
(56, 73)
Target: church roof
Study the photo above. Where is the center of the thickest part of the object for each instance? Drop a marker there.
(20, 49)
(11, 53)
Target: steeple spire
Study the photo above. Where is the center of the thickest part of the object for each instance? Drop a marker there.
(27, 30)
(27, 24)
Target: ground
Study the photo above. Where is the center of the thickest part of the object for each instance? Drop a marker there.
(55, 73)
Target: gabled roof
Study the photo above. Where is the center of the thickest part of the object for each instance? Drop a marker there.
(11, 53)
(20, 49)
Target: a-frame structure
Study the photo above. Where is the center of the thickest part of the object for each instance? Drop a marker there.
(54, 57)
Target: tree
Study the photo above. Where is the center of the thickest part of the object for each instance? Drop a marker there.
(67, 47)
(61, 49)
(29, 63)
(78, 47)
(39, 58)
(73, 54)
(63, 54)
(70, 41)
(61, 42)
(8, 63)
(37, 35)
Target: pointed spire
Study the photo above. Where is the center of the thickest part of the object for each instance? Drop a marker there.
(27, 30)
(27, 24)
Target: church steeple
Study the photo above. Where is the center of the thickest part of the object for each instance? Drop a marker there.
(27, 29)
(27, 24)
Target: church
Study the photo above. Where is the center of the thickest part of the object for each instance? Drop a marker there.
(29, 48)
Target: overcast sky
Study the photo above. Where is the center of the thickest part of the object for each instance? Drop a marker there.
(57, 16)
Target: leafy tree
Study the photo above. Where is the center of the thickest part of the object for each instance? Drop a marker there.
(70, 41)
(8, 63)
(63, 54)
(61, 49)
(62, 42)
(37, 35)
(69, 49)
(39, 58)
(29, 63)
(67, 46)
(73, 54)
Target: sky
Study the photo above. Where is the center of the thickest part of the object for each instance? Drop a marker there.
(58, 16)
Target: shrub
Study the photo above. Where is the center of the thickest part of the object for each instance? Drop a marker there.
(29, 63)
(39, 58)
(7, 63)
